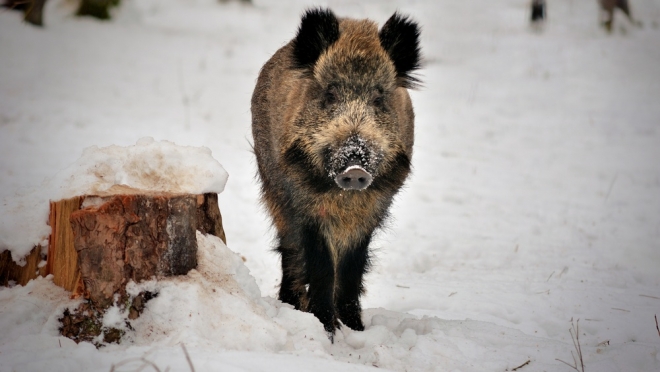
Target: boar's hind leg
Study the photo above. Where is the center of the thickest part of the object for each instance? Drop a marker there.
(319, 273)
(350, 272)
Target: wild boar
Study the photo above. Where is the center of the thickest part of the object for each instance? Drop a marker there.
(333, 129)
(607, 12)
(538, 11)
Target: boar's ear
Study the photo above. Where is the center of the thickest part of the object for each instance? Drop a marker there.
(318, 29)
(400, 39)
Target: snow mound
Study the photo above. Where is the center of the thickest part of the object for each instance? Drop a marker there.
(217, 305)
(147, 166)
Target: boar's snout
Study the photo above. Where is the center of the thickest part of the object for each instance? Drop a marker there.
(354, 178)
(354, 164)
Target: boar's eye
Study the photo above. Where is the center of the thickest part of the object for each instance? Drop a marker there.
(330, 96)
(378, 99)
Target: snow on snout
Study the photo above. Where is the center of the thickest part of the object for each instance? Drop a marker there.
(355, 167)
(355, 151)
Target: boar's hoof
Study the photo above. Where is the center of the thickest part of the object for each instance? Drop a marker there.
(354, 178)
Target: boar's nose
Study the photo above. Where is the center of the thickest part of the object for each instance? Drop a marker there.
(354, 178)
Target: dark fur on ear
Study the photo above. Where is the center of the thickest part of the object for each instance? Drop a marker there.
(318, 29)
(400, 39)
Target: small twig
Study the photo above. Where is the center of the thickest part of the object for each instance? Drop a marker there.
(563, 271)
(575, 337)
(145, 363)
(522, 365)
(192, 369)
(574, 367)
(656, 324)
(657, 298)
(451, 294)
(609, 190)
(551, 274)
(616, 308)
(184, 97)
(402, 286)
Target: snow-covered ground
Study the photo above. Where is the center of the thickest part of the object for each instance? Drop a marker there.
(535, 197)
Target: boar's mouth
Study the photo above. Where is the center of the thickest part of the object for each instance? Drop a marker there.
(353, 164)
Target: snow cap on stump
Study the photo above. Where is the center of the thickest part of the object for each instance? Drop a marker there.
(149, 166)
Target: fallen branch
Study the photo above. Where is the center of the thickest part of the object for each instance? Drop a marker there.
(575, 337)
(656, 325)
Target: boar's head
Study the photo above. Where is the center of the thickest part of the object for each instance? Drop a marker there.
(354, 119)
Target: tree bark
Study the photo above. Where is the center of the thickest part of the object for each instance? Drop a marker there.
(99, 243)
(11, 272)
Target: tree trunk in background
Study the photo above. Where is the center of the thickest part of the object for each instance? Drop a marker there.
(34, 13)
(33, 9)
(96, 8)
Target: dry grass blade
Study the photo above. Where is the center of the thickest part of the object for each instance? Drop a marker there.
(578, 362)
(142, 364)
(192, 369)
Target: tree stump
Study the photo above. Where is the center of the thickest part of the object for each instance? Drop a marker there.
(99, 243)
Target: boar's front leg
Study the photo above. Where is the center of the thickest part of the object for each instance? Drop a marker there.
(320, 276)
(292, 288)
(352, 267)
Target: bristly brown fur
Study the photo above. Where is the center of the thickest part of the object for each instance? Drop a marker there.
(334, 96)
